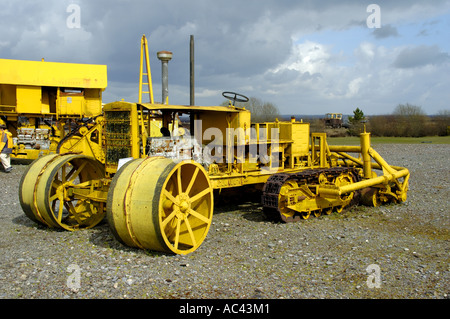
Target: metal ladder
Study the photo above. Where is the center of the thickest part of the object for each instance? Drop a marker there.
(148, 73)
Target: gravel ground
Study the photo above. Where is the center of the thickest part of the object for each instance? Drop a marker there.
(247, 256)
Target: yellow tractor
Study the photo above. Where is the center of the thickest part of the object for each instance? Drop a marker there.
(157, 192)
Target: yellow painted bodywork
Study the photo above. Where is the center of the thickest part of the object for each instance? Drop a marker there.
(37, 87)
(51, 91)
(52, 74)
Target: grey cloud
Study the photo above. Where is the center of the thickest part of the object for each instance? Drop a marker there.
(385, 31)
(423, 33)
(420, 56)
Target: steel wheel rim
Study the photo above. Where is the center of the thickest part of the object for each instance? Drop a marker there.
(56, 202)
(185, 207)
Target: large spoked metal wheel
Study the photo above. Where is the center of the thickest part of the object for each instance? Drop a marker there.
(55, 192)
(28, 183)
(158, 204)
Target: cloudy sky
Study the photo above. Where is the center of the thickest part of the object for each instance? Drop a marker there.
(306, 57)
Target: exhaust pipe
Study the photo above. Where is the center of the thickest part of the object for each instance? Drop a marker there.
(191, 67)
(165, 57)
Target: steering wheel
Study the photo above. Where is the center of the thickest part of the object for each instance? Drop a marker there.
(232, 96)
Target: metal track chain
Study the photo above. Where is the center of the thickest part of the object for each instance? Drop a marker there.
(272, 187)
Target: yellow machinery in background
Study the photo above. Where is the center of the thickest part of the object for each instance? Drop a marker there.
(157, 192)
(333, 120)
(42, 102)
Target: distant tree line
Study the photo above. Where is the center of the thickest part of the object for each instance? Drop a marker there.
(406, 120)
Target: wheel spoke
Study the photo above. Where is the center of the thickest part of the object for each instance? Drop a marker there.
(56, 183)
(200, 195)
(167, 219)
(54, 197)
(169, 196)
(173, 182)
(61, 208)
(193, 178)
(70, 173)
(191, 233)
(179, 180)
(177, 234)
(199, 216)
(72, 178)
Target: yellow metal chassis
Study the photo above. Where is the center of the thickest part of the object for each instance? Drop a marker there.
(391, 174)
